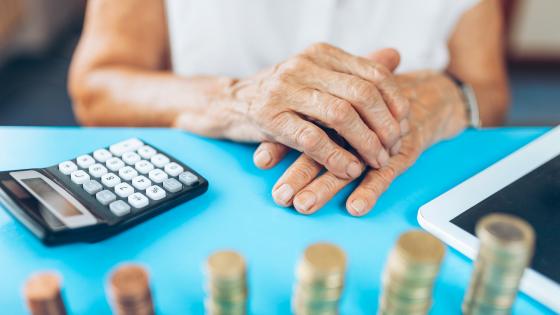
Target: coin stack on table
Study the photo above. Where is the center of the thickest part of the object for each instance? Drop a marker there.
(226, 286)
(43, 296)
(129, 291)
(320, 280)
(506, 248)
(409, 275)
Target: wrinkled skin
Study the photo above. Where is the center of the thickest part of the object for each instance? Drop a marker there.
(437, 112)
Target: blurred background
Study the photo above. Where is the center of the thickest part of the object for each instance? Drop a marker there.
(37, 38)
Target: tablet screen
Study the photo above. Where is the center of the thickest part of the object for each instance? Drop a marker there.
(535, 198)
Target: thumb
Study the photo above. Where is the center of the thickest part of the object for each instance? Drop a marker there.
(389, 57)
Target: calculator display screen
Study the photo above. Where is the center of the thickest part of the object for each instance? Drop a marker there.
(51, 197)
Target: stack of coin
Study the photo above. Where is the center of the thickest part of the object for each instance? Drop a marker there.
(320, 280)
(226, 288)
(409, 275)
(42, 293)
(506, 248)
(129, 291)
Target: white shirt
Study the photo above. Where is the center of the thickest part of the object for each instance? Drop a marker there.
(240, 37)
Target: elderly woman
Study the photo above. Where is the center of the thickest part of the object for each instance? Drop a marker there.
(309, 75)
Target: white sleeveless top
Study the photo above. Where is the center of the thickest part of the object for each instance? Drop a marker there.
(240, 37)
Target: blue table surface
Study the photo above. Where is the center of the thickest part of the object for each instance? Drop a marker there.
(237, 212)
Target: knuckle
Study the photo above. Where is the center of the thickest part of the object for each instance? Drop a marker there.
(380, 73)
(310, 139)
(301, 172)
(367, 91)
(278, 121)
(338, 112)
(335, 157)
(387, 175)
(390, 132)
(294, 65)
(330, 184)
(318, 48)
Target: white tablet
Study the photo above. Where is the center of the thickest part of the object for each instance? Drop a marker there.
(525, 184)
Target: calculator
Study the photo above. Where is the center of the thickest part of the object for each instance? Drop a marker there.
(98, 194)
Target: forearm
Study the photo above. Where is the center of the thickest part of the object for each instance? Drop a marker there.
(133, 97)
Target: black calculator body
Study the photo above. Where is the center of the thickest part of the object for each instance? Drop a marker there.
(99, 194)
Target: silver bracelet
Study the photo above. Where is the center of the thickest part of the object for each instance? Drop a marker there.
(470, 102)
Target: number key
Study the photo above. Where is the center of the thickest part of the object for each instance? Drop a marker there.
(155, 192)
(124, 190)
(141, 182)
(85, 161)
(159, 160)
(114, 164)
(79, 177)
(110, 180)
(67, 167)
(127, 173)
(137, 200)
(173, 169)
(102, 155)
(97, 170)
(157, 175)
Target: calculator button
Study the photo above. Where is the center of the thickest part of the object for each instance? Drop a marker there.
(155, 192)
(105, 197)
(141, 182)
(97, 170)
(147, 152)
(159, 160)
(92, 186)
(129, 145)
(137, 200)
(188, 178)
(172, 185)
(157, 175)
(67, 167)
(173, 169)
(124, 190)
(131, 158)
(85, 161)
(114, 164)
(144, 167)
(110, 180)
(127, 173)
(79, 177)
(119, 208)
(102, 155)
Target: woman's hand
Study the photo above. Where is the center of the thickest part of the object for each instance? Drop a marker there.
(324, 86)
(437, 112)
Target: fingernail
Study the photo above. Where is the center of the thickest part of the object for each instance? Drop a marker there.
(283, 194)
(305, 201)
(263, 158)
(405, 126)
(354, 169)
(396, 148)
(358, 205)
(383, 157)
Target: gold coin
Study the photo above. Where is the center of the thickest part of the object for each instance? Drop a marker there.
(505, 233)
(224, 265)
(325, 258)
(420, 247)
(42, 292)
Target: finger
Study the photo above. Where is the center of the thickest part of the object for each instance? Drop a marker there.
(293, 131)
(389, 57)
(315, 195)
(341, 61)
(375, 183)
(268, 154)
(297, 176)
(364, 97)
(339, 115)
